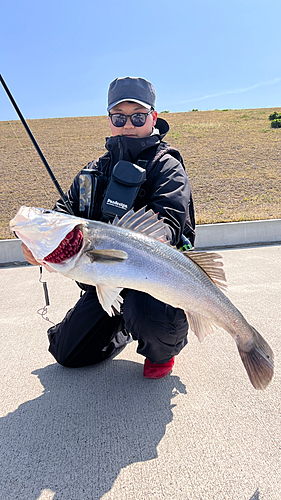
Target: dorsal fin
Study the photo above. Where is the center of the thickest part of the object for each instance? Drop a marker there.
(143, 222)
(211, 264)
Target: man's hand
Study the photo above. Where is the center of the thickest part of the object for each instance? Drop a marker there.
(29, 256)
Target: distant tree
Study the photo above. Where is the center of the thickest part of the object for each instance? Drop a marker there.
(276, 123)
(275, 116)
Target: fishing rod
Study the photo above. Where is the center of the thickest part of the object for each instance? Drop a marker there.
(49, 170)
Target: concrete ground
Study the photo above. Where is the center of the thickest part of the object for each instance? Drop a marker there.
(105, 432)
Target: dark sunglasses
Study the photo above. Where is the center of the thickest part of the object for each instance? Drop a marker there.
(137, 119)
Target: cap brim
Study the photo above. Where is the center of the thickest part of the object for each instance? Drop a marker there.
(144, 104)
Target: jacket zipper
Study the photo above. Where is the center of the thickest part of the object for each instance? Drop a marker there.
(120, 147)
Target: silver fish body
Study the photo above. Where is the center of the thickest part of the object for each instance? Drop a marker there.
(131, 254)
(157, 269)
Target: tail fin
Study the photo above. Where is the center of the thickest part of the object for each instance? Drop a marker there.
(258, 362)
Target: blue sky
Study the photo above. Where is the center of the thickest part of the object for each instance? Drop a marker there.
(58, 57)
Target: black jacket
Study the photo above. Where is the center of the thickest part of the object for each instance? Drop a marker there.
(166, 190)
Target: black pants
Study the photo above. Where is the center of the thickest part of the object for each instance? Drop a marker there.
(80, 339)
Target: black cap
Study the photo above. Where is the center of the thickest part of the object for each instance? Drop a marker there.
(131, 89)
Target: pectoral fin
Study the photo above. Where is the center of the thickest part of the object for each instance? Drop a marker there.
(109, 297)
(107, 256)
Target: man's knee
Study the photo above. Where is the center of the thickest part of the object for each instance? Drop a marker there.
(55, 334)
(80, 339)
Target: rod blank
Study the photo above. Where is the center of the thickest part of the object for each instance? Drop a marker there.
(48, 168)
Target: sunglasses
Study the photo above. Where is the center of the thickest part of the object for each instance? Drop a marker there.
(137, 119)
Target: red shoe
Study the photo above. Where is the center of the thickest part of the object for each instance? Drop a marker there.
(157, 370)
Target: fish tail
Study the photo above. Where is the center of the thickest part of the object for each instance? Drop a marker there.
(258, 361)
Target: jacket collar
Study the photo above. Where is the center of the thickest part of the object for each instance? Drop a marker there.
(121, 147)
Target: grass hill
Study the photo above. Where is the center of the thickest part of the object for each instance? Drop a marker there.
(232, 157)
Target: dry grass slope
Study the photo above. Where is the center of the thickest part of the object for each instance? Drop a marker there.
(232, 157)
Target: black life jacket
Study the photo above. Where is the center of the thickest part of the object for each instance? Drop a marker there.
(94, 179)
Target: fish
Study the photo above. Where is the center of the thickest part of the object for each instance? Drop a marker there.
(134, 253)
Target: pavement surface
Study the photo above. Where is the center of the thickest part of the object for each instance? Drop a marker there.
(105, 432)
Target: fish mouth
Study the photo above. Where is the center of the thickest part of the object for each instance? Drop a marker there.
(68, 247)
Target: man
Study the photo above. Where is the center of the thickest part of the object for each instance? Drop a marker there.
(87, 335)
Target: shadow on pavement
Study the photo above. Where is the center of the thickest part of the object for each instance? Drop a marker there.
(256, 495)
(87, 425)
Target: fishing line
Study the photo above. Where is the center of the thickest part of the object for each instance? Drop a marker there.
(44, 310)
(34, 142)
(28, 160)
